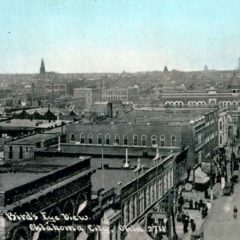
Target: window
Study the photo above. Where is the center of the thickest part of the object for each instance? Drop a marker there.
(143, 140)
(173, 141)
(117, 139)
(90, 138)
(10, 152)
(72, 137)
(154, 140)
(220, 125)
(107, 139)
(125, 139)
(82, 138)
(21, 152)
(220, 139)
(135, 140)
(99, 138)
(162, 141)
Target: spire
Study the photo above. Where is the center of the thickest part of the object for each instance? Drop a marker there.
(42, 67)
(165, 70)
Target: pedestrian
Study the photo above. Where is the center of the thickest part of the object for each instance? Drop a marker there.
(193, 225)
(185, 225)
(183, 217)
(196, 205)
(235, 210)
(191, 204)
(200, 204)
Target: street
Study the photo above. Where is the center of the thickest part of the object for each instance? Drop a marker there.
(221, 225)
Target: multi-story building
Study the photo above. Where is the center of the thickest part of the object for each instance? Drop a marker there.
(167, 130)
(86, 93)
(227, 99)
(115, 94)
(141, 192)
(44, 187)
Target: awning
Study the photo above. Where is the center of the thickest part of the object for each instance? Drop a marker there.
(198, 176)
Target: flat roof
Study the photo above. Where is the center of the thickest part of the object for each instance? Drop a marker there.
(27, 123)
(13, 180)
(111, 178)
(33, 139)
(31, 170)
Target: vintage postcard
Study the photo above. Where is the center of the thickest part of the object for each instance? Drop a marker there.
(119, 120)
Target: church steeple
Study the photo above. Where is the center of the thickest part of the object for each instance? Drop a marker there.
(42, 68)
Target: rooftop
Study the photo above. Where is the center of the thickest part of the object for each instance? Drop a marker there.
(33, 139)
(27, 123)
(27, 171)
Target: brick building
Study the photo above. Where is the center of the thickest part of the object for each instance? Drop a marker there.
(50, 185)
(167, 134)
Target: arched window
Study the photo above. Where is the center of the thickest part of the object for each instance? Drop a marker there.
(90, 138)
(154, 140)
(162, 141)
(173, 141)
(135, 140)
(234, 106)
(143, 140)
(82, 138)
(99, 138)
(125, 139)
(220, 125)
(228, 105)
(117, 139)
(72, 137)
(107, 139)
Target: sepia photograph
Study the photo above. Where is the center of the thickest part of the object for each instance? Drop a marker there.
(119, 119)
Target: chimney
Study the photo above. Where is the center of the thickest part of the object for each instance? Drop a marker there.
(126, 164)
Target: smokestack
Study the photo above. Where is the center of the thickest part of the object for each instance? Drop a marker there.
(59, 143)
(32, 94)
(126, 165)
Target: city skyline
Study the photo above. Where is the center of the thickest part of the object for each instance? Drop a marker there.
(107, 36)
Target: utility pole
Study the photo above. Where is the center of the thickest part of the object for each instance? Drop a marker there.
(172, 234)
(32, 99)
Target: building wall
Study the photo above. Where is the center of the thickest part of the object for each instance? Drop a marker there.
(164, 135)
(115, 94)
(206, 138)
(85, 93)
(18, 152)
(62, 193)
(148, 189)
(223, 124)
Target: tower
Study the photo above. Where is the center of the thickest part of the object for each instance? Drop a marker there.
(42, 68)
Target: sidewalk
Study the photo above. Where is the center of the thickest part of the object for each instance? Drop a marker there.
(195, 214)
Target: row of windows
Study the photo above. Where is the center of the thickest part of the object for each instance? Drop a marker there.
(190, 103)
(115, 98)
(151, 193)
(227, 104)
(125, 139)
(116, 93)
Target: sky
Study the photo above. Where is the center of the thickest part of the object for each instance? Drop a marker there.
(118, 35)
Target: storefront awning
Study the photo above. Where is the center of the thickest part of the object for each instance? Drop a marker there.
(198, 176)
